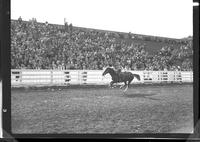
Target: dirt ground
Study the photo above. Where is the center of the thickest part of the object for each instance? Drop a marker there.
(142, 109)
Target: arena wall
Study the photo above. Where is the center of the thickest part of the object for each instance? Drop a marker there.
(92, 77)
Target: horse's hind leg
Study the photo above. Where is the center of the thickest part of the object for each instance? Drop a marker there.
(126, 87)
(123, 85)
(129, 82)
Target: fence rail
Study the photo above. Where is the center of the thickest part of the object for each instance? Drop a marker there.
(61, 77)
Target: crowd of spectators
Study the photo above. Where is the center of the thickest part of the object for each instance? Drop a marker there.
(37, 45)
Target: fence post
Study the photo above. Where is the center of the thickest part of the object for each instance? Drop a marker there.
(191, 76)
(174, 76)
(51, 74)
(79, 77)
(20, 76)
(180, 76)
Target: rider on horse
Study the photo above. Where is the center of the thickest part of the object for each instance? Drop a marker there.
(118, 76)
(117, 67)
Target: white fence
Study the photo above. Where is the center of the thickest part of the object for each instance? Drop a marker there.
(91, 77)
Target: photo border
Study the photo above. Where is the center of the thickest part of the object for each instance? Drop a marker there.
(6, 88)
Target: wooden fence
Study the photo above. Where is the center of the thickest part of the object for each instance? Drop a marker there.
(91, 77)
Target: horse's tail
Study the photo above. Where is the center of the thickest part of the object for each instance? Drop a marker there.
(137, 76)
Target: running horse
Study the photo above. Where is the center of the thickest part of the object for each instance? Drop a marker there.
(117, 77)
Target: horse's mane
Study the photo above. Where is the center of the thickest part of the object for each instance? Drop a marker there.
(111, 68)
(108, 67)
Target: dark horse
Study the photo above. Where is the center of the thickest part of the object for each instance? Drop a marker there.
(125, 77)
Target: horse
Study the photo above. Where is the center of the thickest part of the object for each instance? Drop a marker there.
(117, 77)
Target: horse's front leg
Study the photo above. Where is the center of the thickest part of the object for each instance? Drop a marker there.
(123, 85)
(111, 84)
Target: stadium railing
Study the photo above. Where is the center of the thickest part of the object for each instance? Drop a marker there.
(92, 77)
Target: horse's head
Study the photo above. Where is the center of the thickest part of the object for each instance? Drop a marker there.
(107, 70)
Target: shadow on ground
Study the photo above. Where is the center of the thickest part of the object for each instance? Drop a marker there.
(140, 95)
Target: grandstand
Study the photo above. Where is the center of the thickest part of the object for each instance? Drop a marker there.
(65, 46)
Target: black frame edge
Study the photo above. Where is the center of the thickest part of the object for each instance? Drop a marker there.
(5, 72)
(6, 97)
(196, 107)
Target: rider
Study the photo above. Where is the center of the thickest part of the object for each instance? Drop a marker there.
(118, 68)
